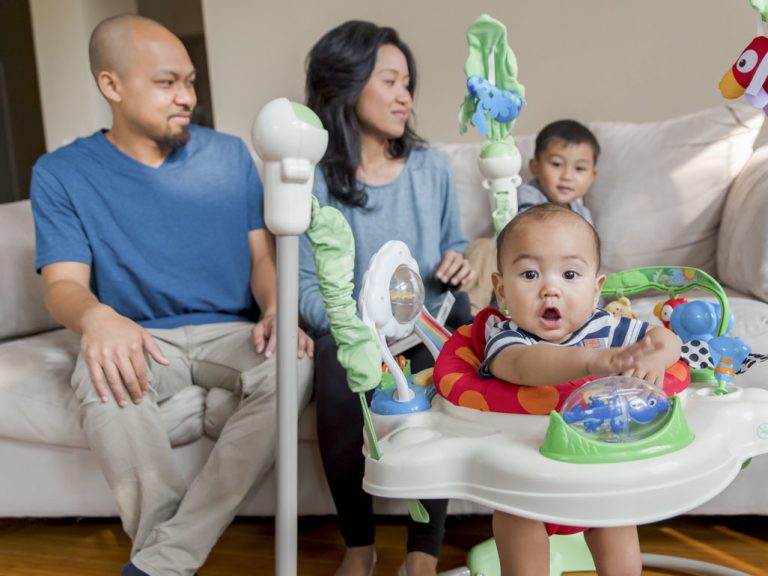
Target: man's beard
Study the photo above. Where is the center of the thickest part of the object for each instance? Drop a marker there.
(174, 141)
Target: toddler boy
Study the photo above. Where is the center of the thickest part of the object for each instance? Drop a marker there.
(563, 167)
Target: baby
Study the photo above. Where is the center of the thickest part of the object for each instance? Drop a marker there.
(548, 285)
(563, 167)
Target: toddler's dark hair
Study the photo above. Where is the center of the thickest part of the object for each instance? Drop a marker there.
(568, 132)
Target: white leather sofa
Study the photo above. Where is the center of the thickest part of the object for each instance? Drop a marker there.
(689, 190)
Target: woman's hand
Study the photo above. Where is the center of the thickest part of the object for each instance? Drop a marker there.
(454, 269)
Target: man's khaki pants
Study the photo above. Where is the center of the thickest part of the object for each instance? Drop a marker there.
(174, 526)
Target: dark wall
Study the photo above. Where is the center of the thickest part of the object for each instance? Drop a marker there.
(22, 138)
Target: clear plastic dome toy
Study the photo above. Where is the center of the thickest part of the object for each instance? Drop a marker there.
(406, 294)
(617, 409)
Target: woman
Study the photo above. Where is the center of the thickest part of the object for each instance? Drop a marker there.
(360, 82)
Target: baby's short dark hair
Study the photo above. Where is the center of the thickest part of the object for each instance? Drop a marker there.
(568, 132)
(541, 212)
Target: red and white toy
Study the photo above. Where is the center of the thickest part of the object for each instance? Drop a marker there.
(749, 75)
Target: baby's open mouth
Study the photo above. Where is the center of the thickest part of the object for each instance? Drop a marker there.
(551, 314)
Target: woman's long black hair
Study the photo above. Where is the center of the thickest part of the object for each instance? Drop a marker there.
(338, 68)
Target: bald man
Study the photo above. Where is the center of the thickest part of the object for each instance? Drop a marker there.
(152, 246)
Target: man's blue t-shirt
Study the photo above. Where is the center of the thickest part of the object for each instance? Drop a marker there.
(167, 246)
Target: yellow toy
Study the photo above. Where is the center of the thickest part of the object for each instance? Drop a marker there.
(621, 307)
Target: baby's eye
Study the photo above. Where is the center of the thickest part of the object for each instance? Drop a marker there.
(530, 274)
(570, 275)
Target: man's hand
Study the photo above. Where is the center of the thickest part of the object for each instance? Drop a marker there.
(454, 269)
(113, 347)
(265, 338)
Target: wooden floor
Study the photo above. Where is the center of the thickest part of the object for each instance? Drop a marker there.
(87, 547)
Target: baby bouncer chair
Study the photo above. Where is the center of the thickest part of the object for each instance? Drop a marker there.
(612, 452)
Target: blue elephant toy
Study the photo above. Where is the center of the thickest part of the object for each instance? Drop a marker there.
(697, 320)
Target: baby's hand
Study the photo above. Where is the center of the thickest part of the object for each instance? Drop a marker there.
(647, 362)
(642, 360)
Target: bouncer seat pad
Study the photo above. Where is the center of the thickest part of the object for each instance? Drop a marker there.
(457, 379)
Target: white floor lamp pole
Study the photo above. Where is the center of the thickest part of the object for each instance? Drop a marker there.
(290, 139)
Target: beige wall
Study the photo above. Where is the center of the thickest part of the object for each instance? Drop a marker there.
(589, 59)
(71, 103)
(595, 60)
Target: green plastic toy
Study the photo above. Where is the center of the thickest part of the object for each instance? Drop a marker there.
(492, 104)
(674, 280)
(762, 8)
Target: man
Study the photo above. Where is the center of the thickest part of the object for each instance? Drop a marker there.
(152, 246)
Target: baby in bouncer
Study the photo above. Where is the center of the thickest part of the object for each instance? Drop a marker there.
(548, 285)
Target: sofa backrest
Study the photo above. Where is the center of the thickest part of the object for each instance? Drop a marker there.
(658, 199)
(22, 310)
(660, 190)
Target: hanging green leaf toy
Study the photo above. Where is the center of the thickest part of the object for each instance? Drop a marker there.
(493, 102)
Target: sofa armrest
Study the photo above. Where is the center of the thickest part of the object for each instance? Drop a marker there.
(22, 310)
(742, 245)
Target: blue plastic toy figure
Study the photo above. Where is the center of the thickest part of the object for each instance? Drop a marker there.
(500, 105)
(610, 410)
(697, 320)
(728, 353)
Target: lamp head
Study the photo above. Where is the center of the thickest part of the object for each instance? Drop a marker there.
(290, 139)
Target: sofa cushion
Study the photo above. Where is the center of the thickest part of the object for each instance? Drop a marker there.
(37, 403)
(22, 310)
(36, 399)
(742, 250)
(661, 186)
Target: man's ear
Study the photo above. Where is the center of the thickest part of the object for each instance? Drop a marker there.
(498, 289)
(109, 86)
(533, 164)
(599, 281)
